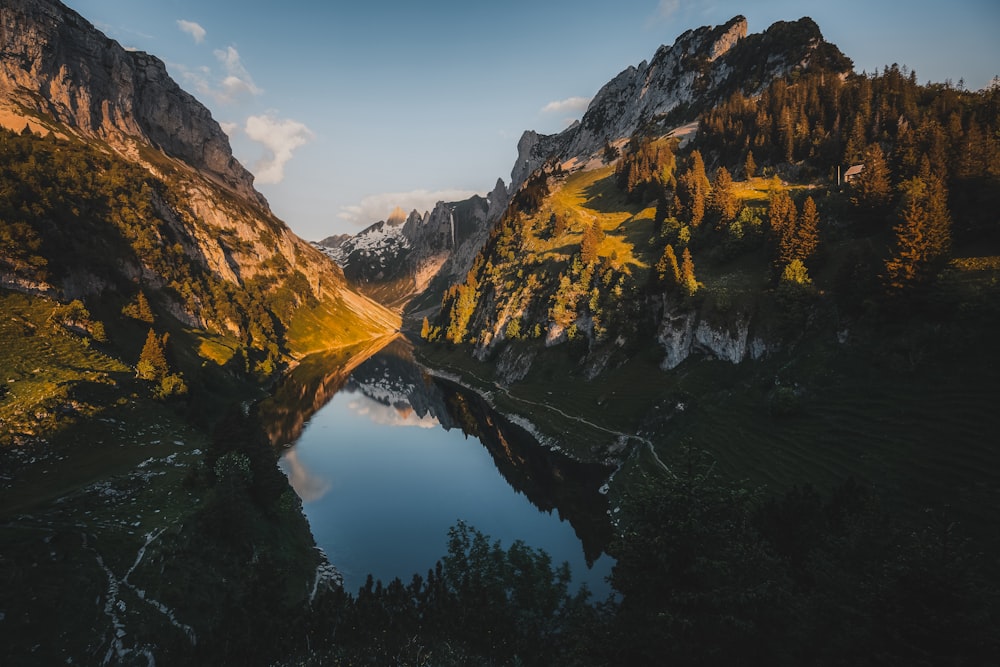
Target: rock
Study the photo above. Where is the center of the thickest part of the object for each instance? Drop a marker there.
(58, 65)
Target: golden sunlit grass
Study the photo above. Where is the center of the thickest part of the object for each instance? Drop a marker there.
(581, 199)
(216, 348)
(44, 367)
(757, 191)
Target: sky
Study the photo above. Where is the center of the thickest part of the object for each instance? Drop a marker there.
(344, 110)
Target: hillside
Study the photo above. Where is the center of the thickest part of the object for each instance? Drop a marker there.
(729, 292)
(119, 194)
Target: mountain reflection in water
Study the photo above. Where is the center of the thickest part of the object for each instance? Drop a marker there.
(380, 498)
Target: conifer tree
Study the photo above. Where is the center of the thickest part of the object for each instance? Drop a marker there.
(139, 309)
(695, 187)
(781, 213)
(592, 237)
(871, 188)
(667, 269)
(923, 233)
(724, 200)
(152, 363)
(807, 231)
(749, 165)
(425, 329)
(688, 281)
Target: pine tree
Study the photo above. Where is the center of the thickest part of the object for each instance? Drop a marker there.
(667, 269)
(425, 329)
(592, 237)
(139, 309)
(807, 231)
(923, 233)
(695, 187)
(724, 200)
(152, 364)
(688, 281)
(781, 212)
(872, 189)
(749, 166)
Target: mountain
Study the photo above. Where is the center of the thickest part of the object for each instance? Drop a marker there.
(701, 68)
(193, 232)
(406, 256)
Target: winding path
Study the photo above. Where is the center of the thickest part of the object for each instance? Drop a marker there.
(579, 420)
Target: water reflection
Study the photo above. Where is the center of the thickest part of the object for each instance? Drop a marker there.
(365, 478)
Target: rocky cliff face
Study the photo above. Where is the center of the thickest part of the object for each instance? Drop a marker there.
(60, 73)
(397, 259)
(56, 64)
(703, 66)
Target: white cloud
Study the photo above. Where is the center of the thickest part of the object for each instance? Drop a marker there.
(238, 80)
(378, 207)
(280, 137)
(193, 29)
(229, 128)
(228, 88)
(569, 105)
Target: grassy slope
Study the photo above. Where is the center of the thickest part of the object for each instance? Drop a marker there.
(914, 416)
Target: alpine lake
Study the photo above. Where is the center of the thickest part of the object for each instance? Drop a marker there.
(387, 457)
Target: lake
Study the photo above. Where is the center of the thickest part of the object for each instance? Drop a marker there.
(386, 458)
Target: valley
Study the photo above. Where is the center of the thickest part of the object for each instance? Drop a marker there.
(678, 391)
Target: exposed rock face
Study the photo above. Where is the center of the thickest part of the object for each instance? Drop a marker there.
(59, 71)
(56, 64)
(683, 333)
(703, 66)
(394, 260)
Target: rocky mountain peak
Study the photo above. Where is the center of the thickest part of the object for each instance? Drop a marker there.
(55, 64)
(701, 67)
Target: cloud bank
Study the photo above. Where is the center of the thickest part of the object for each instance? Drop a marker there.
(569, 105)
(378, 207)
(190, 27)
(280, 137)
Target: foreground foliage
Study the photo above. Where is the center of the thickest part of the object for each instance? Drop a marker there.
(708, 572)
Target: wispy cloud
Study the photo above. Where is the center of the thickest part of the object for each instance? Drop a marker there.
(229, 87)
(280, 137)
(229, 128)
(190, 27)
(377, 207)
(238, 79)
(569, 105)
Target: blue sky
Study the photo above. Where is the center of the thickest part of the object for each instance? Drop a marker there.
(344, 110)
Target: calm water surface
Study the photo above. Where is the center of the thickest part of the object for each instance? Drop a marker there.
(395, 458)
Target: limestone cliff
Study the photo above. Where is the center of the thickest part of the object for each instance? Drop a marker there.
(63, 77)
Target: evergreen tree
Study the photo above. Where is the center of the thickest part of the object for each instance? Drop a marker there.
(139, 309)
(667, 269)
(749, 165)
(152, 363)
(781, 213)
(694, 189)
(923, 233)
(807, 231)
(724, 200)
(425, 329)
(688, 281)
(872, 189)
(592, 237)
